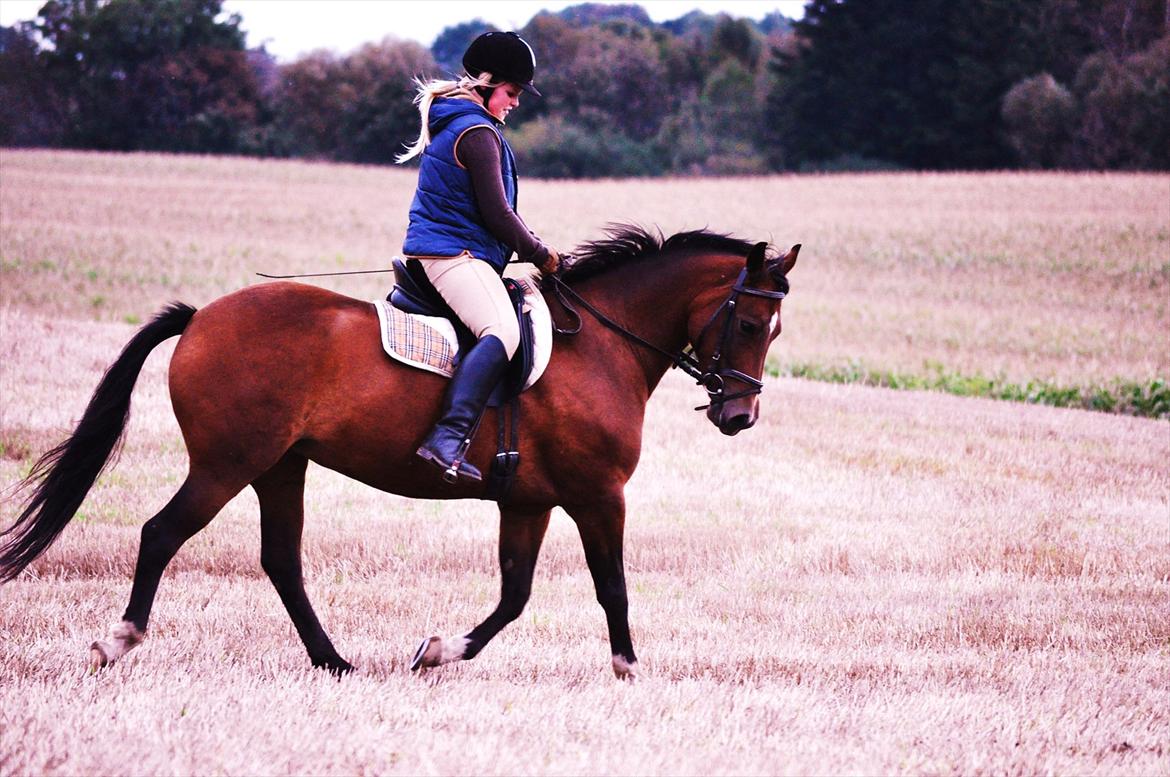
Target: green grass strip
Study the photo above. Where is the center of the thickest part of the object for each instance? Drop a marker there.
(1148, 400)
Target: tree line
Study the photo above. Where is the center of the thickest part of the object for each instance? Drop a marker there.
(853, 85)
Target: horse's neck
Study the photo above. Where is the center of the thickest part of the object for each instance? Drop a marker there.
(652, 299)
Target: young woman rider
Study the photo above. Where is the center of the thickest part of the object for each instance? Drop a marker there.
(463, 223)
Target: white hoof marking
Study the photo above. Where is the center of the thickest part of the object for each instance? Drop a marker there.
(436, 651)
(453, 649)
(624, 670)
(123, 638)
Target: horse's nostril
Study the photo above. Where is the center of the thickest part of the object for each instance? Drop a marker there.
(736, 424)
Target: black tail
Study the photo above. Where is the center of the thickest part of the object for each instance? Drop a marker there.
(67, 472)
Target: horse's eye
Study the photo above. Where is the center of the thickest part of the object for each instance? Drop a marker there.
(748, 328)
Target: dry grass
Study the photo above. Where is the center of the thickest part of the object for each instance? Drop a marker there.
(868, 581)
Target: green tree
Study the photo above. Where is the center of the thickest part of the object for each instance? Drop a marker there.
(775, 23)
(1125, 110)
(307, 101)
(380, 118)
(30, 110)
(731, 118)
(1126, 27)
(600, 77)
(735, 39)
(922, 83)
(685, 141)
(356, 108)
(597, 14)
(557, 46)
(1038, 116)
(695, 22)
(157, 74)
(557, 148)
(916, 82)
(449, 46)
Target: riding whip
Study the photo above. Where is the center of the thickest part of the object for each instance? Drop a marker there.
(321, 274)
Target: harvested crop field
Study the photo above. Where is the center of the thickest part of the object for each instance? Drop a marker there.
(868, 581)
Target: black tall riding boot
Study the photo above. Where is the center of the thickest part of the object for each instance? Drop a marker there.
(472, 383)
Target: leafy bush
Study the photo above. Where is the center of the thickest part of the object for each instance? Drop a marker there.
(555, 148)
(1125, 102)
(1149, 400)
(355, 108)
(170, 76)
(1038, 114)
(851, 163)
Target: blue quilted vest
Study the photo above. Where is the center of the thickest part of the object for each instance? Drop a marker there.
(444, 219)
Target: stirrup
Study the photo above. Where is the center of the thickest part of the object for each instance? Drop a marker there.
(452, 471)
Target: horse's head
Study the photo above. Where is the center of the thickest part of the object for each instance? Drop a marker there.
(731, 330)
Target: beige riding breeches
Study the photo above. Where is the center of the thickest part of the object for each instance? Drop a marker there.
(477, 295)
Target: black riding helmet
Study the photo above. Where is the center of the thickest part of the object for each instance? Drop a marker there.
(505, 55)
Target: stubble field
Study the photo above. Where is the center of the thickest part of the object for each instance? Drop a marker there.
(868, 581)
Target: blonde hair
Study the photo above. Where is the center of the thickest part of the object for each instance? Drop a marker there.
(463, 89)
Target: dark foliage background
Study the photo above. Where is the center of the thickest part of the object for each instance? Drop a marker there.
(853, 85)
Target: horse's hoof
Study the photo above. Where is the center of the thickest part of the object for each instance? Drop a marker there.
(341, 669)
(98, 657)
(429, 653)
(625, 670)
(338, 667)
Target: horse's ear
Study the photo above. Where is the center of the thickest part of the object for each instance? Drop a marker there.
(786, 262)
(755, 258)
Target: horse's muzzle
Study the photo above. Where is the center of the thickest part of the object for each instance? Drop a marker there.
(736, 424)
(731, 421)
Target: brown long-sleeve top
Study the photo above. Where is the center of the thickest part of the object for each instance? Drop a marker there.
(479, 151)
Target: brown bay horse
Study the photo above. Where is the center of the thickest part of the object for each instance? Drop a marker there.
(268, 378)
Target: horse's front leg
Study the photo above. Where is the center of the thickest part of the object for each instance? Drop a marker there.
(601, 525)
(521, 533)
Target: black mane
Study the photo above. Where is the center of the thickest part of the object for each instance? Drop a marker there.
(626, 243)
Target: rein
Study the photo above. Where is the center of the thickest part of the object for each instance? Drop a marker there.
(713, 379)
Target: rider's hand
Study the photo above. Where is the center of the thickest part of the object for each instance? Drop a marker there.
(552, 263)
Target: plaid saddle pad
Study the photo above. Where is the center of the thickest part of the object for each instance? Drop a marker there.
(430, 344)
(426, 342)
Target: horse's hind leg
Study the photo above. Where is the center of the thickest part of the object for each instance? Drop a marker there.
(521, 534)
(281, 492)
(192, 507)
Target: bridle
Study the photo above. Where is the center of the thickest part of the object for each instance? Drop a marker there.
(714, 378)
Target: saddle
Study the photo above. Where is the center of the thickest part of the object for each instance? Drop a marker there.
(420, 329)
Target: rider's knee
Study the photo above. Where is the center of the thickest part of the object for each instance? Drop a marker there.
(508, 333)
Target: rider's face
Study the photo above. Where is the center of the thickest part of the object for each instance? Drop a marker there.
(503, 99)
